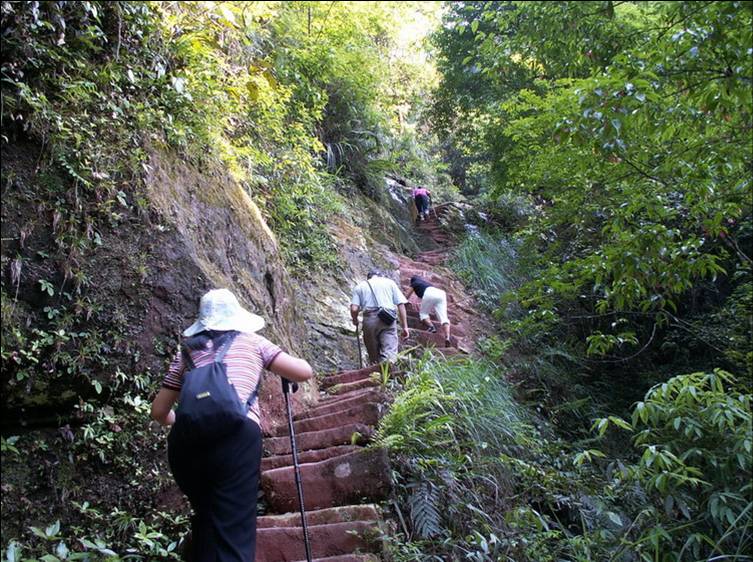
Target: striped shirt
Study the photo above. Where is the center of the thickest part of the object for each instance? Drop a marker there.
(248, 355)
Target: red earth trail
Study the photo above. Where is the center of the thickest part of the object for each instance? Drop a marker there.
(343, 482)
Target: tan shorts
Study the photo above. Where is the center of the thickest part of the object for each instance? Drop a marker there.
(434, 300)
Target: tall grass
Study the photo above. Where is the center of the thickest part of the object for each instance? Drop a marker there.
(466, 456)
(462, 405)
(488, 265)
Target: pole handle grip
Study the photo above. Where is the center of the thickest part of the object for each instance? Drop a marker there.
(286, 384)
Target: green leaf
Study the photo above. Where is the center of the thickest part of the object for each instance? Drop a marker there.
(13, 552)
(39, 532)
(614, 518)
(619, 422)
(61, 550)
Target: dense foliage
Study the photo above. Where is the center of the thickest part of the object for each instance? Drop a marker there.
(627, 126)
(607, 148)
(478, 476)
(638, 156)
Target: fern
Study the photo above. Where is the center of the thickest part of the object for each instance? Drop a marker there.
(424, 515)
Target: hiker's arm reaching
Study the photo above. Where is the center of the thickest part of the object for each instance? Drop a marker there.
(354, 310)
(291, 368)
(403, 319)
(162, 406)
(407, 296)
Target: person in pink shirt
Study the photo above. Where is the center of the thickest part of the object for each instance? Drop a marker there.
(221, 476)
(422, 198)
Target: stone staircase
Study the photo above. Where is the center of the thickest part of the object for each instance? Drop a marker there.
(343, 481)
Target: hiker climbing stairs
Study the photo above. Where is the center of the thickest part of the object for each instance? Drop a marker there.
(343, 481)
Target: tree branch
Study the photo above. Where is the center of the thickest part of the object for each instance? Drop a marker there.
(633, 356)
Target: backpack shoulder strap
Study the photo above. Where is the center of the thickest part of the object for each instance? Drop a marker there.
(254, 394)
(376, 300)
(187, 357)
(224, 346)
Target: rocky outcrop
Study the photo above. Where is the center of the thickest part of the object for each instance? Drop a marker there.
(141, 272)
(216, 237)
(374, 230)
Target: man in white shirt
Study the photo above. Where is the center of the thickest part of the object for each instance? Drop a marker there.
(380, 337)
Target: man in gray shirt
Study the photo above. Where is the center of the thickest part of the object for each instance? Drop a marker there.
(379, 337)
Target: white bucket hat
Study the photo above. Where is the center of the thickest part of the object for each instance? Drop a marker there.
(220, 310)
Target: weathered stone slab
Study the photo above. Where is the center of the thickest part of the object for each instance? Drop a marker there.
(319, 439)
(343, 480)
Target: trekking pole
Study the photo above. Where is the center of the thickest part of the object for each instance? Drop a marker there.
(286, 391)
(360, 353)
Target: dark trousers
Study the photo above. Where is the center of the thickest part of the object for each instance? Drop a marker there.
(221, 481)
(422, 204)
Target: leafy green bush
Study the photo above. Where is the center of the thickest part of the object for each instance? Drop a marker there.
(146, 540)
(639, 200)
(694, 437)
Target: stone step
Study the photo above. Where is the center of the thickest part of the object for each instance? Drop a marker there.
(351, 434)
(363, 371)
(315, 455)
(449, 351)
(327, 399)
(427, 339)
(367, 413)
(415, 324)
(327, 541)
(342, 514)
(350, 376)
(368, 395)
(431, 254)
(346, 387)
(435, 260)
(345, 480)
(409, 269)
(438, 253)
(444, 351)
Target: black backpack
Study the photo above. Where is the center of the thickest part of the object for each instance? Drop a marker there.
(208, 407)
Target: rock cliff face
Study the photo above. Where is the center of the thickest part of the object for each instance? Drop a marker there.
(198, 229)
(366, 238)
(218, 236)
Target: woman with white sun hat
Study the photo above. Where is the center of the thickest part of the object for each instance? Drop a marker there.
(220, 476)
